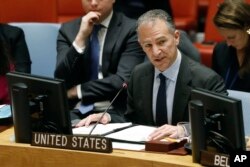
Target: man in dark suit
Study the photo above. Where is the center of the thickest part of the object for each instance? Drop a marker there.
(120, 52)
(118, 55)
(159, 39)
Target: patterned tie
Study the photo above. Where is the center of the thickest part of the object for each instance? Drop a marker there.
(95, 50)
(161, 107)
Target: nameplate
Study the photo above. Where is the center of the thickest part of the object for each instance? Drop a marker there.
(163, 146)
(214, 159)
(72, 142)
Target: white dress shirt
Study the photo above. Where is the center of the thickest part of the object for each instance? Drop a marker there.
(171, 77)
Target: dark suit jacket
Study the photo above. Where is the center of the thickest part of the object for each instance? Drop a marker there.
(187, 48)
(121, 53)
(14, 40)
(140, 90)
(223, 59)
(14, 37)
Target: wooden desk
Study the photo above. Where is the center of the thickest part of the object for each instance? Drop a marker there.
(20, 155)
(4, 127)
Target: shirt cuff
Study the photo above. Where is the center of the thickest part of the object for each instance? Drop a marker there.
(79, 91)
(186, 129)
(80, 50)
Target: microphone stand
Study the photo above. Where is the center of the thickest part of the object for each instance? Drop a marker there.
(98, 121)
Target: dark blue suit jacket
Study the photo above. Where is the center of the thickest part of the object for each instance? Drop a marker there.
(121, 53)
(191, 75)
(15, 40)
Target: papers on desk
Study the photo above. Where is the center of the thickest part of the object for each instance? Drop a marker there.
(132, 138)
(124, 135)
(101, 129)
(118, 131)
(128, 146)
(138, 133)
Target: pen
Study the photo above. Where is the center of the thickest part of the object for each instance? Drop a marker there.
(118, 129)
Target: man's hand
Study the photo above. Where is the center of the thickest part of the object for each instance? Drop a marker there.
(86, 27)
(93, 118)
(164, 131)
(72, 93)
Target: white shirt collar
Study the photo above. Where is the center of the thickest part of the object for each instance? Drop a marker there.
(106, 21)
(171, 72)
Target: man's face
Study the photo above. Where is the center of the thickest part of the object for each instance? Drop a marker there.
(104, 7)
(159, 43)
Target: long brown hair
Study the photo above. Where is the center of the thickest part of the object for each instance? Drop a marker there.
(233, 14)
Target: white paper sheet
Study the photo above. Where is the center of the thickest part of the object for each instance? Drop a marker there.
(128, 146)
(137, 133)
(100, 128)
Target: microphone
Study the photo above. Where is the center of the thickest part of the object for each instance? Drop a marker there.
(124, 86)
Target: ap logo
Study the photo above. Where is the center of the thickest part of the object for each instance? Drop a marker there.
(240, 159)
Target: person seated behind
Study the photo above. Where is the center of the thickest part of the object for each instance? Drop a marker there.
(159, 39)
(231, 58)
(14, 56)
(119, 52)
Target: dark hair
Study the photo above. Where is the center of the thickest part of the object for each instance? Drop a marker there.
(153, 15)
(235, 15)
(5, 58)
